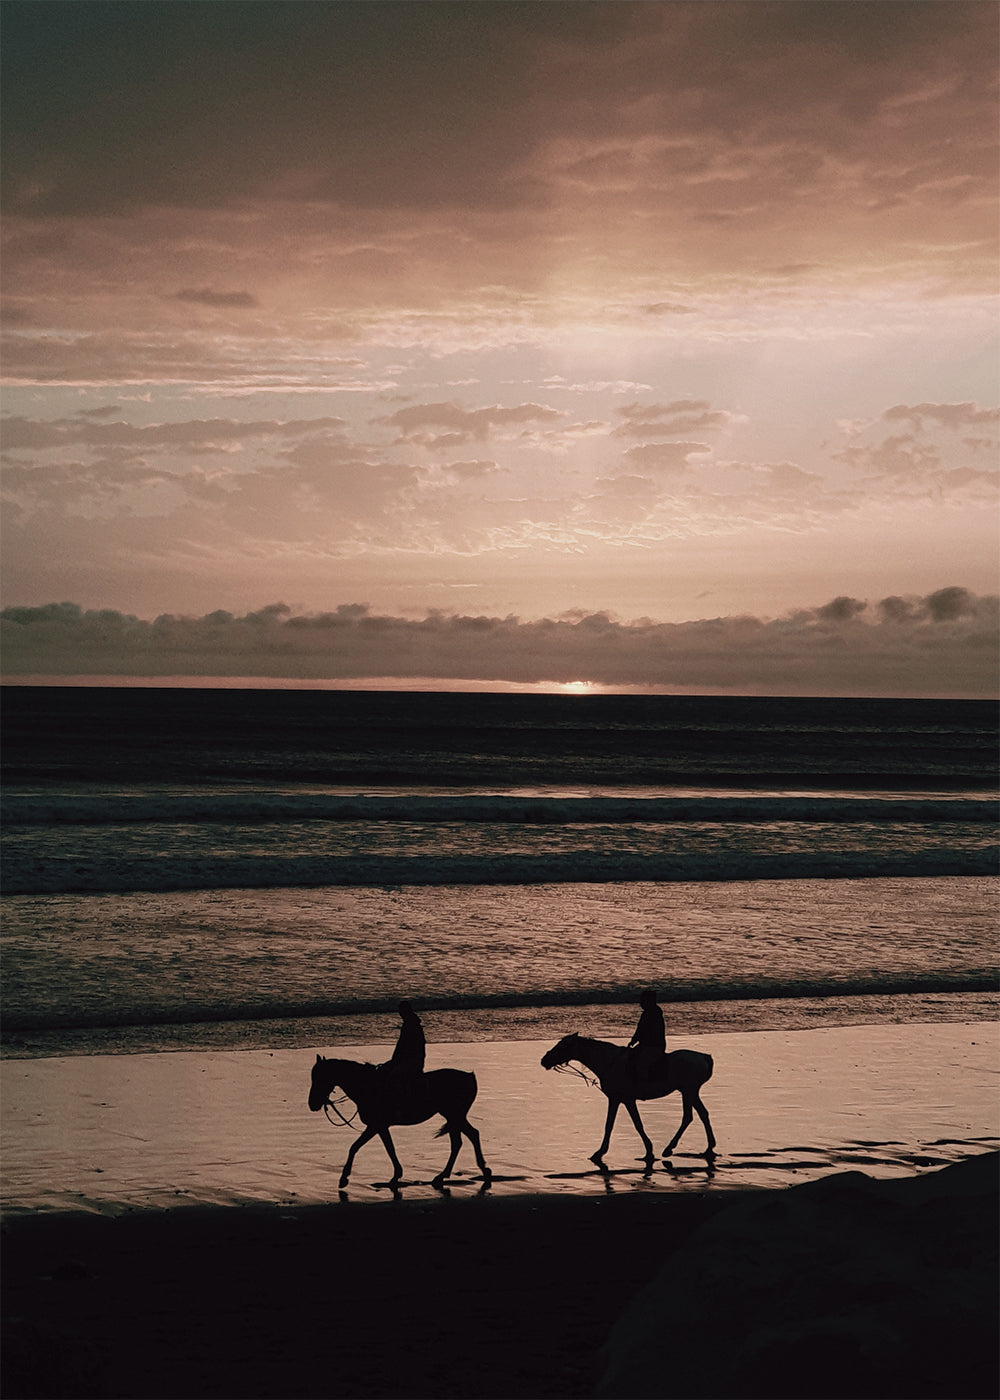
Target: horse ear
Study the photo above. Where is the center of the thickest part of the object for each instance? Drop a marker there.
(319, 1059)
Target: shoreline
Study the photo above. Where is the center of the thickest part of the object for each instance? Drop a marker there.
(608, 1019)
(118, 1133)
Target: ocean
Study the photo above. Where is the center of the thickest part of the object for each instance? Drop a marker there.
(234, 868)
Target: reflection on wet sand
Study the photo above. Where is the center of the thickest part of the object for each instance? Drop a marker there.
(112, 1133)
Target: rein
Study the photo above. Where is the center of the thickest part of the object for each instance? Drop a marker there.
(344, 1122)
(567, 1068)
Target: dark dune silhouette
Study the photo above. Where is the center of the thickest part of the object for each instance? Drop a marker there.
(840, 1289)
(890, 1292)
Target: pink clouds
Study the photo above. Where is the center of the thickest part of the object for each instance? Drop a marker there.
(661, 420)
(466, 425)
(846, 647)
(599, 305)
(665, 456)
(950, 415)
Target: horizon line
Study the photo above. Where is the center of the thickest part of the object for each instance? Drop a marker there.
(453, 685)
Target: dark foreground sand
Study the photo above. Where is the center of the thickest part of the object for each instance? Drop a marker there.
(845, 1287)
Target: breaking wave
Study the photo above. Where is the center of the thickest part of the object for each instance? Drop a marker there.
(104, 807)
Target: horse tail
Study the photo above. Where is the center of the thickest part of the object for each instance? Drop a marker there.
(466, 1088)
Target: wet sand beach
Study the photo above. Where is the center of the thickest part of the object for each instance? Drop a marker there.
(173, 1226)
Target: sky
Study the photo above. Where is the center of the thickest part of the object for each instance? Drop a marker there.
(520, 344)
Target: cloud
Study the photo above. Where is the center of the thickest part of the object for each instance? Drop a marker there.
(841, 609)
(665, 456)
(784, 478)
(207, 296)
(948, 604)
(901, 455)
(936, 451)
(681, 416)
(782, 134)
(707, 230)
(638, 413)
(159, 356)
(944, 605)
(211, 434)
(949, 415)
(667, 308)
(941, 644)
(465, 424)
(470, 471)
(595, 386)
(90, 497)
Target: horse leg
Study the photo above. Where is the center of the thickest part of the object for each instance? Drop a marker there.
(686, 1117)
(397, 1170)
(473, 1135)
(633, 1113)
(455, 1135)
(356, 1145)
(609, 1123)
(702, 1113)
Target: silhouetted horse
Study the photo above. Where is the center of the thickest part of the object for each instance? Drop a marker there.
(683, 1070)
(384, 1098)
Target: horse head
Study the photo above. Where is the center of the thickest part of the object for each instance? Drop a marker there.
(560, 1054)
(322, 1082)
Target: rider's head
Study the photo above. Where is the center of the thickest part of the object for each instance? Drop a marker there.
(647, 998)
(405, 1008)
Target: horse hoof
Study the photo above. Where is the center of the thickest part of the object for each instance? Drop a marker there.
(597, 1159)
(438, 1182)
(343, 1182)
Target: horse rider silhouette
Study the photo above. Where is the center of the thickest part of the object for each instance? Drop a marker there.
(649, 1043)
(408, 1056)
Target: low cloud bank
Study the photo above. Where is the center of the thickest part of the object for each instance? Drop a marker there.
(940, 645)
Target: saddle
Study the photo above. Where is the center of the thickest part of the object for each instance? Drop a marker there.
(648, 1071)
(399, 1083)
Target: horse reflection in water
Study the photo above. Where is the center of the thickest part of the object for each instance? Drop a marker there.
(683, 1071)
(386, 1099)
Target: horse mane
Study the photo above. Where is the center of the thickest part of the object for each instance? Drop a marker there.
(355, 1064)
(594, 1040)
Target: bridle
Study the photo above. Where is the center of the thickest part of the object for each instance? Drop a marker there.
(344, 1122)
(567, 1068)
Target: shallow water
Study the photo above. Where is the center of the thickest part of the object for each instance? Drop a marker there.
(242, 956)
